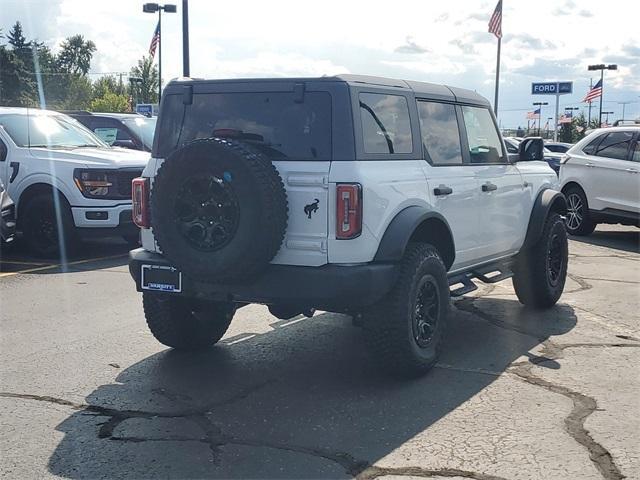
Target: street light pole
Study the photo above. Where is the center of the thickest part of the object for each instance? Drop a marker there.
(602, 67)
(539, 104)
(153, 8)
(607, 114)
(185, 38)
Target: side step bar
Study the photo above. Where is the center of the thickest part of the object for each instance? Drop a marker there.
(492, 273)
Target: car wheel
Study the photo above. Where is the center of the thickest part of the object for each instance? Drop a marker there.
(47, 225)
(541, 271)
(187, 324)
(578, 219)
(404, 331)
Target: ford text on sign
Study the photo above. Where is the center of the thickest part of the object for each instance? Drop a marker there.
(551, 88)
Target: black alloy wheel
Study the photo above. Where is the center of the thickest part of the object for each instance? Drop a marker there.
(207, 212)
(427, 311)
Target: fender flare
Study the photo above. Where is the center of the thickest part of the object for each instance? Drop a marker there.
(547, 200)
(401, 228)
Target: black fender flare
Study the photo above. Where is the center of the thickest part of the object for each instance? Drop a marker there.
(548, 200)
(401, 228)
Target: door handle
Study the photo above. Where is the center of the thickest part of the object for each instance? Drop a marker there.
(590, 165)
(15, 169)
(442, 190)
(632, 170)
(489, 187)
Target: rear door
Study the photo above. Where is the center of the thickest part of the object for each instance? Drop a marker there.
(289, 122)
(452, 183)
(615, 185)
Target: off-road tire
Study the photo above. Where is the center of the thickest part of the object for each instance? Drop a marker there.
(535, 285)
(257, 195)
(184, 323)
(44, 233)
(390, 325)
(577, 199)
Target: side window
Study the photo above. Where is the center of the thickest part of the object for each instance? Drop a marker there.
(636, 152)
(511, 148)
(590, 149)
(109, 130)
(3, 151)
(615, 145)
(440, 134)
(484, 142)
(386, 127)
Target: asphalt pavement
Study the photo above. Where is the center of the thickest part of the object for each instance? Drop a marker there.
(87, 392)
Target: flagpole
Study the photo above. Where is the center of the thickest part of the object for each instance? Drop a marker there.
(495, 103)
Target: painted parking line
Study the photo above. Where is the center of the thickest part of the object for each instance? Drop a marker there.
(58, 265)
(20, 262)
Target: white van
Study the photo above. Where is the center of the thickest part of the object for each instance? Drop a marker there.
(65, 181)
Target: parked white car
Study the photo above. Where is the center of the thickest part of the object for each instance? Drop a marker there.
(65, 181)
(600, 178)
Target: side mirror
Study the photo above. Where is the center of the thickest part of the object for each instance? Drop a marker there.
(531, 149)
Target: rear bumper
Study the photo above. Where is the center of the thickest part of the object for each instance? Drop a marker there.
(330, 287)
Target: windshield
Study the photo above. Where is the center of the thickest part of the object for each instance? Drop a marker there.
(144, 128)
(50, 131)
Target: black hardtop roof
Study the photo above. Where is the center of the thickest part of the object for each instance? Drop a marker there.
(429, 90)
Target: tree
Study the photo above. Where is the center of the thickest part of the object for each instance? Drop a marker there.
(76, 54)
(16, 38)
(17, 88)
(110, 102)
(147, 90)
(107, 84)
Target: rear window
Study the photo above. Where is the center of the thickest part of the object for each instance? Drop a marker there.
(273, 122)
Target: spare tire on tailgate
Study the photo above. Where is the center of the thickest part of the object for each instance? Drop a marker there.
(219, 210)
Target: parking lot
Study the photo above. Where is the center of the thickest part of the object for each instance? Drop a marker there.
(518, 394)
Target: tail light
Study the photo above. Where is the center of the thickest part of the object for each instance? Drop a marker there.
(140, 197)
(348, 210)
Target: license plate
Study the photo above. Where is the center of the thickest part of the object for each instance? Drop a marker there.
(161, 278)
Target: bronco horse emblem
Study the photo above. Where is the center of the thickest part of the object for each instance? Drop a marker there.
(311, 208)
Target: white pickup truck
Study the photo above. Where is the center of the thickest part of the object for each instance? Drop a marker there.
(65, 181)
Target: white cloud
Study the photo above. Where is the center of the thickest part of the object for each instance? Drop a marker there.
(288, 38)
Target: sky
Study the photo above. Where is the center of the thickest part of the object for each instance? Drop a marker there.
(439, 42)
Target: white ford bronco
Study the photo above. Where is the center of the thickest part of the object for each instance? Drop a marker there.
(374, 197)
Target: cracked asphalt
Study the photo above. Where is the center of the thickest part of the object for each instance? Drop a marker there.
(86, 392)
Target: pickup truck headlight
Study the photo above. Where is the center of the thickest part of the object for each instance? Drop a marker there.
(94, 183)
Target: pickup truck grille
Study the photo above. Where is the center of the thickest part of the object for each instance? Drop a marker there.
(123, 180)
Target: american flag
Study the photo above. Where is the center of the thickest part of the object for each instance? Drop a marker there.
(534, 115)
(566, 118)
(154, 41)
(495, 23)
(594, 93)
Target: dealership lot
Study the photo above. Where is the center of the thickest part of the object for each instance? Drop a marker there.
(86, 392)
